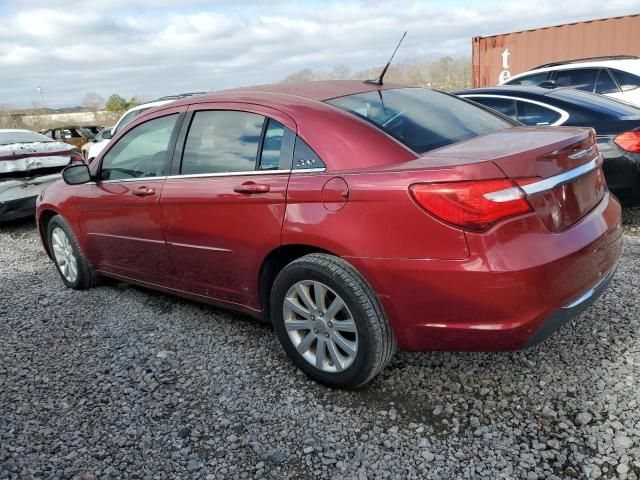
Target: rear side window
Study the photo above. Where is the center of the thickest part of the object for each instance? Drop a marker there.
(627, 81)
(141, 152)
(534, 79)
(506, 106)
(222, 141)
(419, 118)
(272, 146)
(304, 157)
(605, 83)
(533, 114)
(581, 79)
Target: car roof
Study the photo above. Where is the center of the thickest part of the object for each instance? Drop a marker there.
(295, 93)
(318, 90)
(72, 126)
(15, 130)
(155, 103)
(628, 65)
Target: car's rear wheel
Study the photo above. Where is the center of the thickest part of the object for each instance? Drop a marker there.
(73, 267)
(329, 321)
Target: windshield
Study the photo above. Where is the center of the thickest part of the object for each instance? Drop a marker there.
(421, 119)
(599, 103)
(7, 138)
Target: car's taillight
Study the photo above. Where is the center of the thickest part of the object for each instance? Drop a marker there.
(75, 157)
(629, 141)
(474, 205)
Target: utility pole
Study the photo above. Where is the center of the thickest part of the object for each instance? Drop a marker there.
(41, 97)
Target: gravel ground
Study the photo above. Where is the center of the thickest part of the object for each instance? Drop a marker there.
(122, 382)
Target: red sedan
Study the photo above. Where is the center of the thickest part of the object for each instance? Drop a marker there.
(357, 218)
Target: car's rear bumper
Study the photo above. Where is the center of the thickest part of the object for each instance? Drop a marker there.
(571, 310)
(520, 285)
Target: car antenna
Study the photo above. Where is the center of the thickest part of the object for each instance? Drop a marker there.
(378, 81)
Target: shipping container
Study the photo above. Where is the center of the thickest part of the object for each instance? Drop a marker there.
(499, 57)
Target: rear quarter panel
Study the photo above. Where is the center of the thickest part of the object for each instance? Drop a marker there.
(379, 218)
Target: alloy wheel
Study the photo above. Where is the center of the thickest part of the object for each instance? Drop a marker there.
(64, 255)
(320, 326)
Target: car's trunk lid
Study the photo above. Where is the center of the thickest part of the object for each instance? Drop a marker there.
(558, 167)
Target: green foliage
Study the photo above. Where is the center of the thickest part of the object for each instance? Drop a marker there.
(117, 104)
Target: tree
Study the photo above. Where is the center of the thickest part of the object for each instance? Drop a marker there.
(116, 104)
(340, 72)
(133, 101)
(305, 75)
(93, 102)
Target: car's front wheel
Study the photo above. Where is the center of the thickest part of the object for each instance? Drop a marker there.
(73, 267)
(329, 321)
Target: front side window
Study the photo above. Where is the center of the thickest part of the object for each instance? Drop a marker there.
(128, 118)
(533, 114)
(580, 79)
(506, 106)
(534, 79)
(421, 119)
(222, 141)
(141, 152)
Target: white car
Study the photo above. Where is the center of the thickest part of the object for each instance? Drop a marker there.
(94, 148)
(86, 149)
(616, 77)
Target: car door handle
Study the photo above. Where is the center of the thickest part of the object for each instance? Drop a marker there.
(251, 188)
(144, 191)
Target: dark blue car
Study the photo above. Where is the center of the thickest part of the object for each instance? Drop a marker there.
(617, 125)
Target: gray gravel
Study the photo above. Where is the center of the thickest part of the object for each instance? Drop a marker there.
(122, 382)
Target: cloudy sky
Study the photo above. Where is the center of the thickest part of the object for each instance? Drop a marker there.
(156, 47)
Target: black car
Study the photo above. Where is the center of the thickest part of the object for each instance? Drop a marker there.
(617, 125)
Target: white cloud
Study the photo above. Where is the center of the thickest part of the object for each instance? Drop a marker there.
(150, 48)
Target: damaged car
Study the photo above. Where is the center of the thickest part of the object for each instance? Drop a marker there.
(29, 162)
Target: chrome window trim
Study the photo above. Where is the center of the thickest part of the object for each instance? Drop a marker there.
(137, 179)
(230, 174)
(308, 170)
(221, 174)
(557, 180)
(564, 116)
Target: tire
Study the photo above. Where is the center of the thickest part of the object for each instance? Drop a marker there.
(342, 347)
(65, 249)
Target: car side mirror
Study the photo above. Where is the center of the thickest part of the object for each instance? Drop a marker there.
(107, 135)
(76, 174)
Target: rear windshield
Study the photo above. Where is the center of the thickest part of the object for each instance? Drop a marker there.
(421, 119)
(599, 103)
(7, 138)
